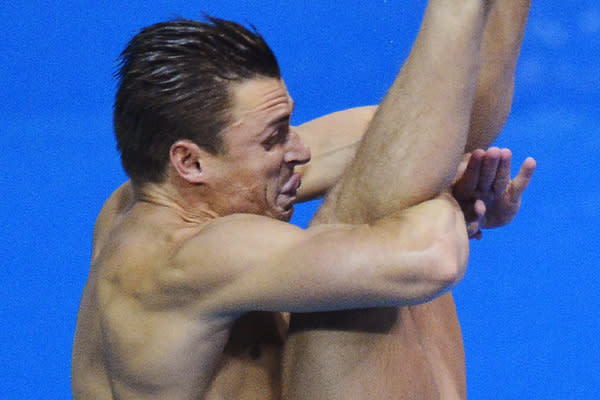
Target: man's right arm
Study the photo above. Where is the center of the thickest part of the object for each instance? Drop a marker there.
(406, 258)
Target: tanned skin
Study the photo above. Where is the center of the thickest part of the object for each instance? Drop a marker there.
(188, 275)
(170, 311)
(416, 351)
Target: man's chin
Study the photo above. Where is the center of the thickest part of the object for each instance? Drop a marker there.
(284, 207)
(286, 215)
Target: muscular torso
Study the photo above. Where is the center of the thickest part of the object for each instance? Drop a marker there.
(413, 352)
(134, 340)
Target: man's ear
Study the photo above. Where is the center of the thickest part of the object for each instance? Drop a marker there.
(187, 158)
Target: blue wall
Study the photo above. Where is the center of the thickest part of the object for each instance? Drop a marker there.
(529, 302)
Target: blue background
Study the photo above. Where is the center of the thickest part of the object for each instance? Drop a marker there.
(529, 301)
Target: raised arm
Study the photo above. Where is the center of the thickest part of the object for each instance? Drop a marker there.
(403, 259)
(410, 153)
(416, 139)
(333, 140)
(500, 51)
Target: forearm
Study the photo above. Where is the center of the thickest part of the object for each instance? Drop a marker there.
(407, 258)
(431, 237)
(322, 348)
(500, 51)
(414, 143)
(333, 140)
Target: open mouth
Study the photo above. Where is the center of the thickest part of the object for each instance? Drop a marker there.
(289, 191)
(292, 185)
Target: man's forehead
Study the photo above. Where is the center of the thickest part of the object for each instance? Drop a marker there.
(262, 94)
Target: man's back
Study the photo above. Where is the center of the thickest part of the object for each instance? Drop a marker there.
(135, 339)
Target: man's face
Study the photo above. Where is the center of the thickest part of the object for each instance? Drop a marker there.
(256, 173)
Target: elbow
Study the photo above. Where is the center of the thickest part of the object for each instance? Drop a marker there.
(436, 256)
(444, 273)
(440, 269)
(451, 257)
(449, 272)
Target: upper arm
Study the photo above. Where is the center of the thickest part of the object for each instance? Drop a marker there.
(244, 262)
(333, 140)
(247, 262)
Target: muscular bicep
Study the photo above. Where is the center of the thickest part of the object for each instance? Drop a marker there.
(245, 262)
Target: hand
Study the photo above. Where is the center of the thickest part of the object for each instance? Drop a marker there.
(485, 192)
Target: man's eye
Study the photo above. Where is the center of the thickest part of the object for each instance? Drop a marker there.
(275, 139)
(269, 143)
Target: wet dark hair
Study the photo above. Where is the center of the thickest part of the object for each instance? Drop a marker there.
(174, 82)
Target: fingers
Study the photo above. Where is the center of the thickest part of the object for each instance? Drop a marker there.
(502, 178)
(487, 173)
(474, 218)
(474, 228)
(489, 169)
(470, 178)
(521, 181)
(479, 209)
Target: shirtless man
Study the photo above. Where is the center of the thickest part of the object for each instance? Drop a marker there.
(185, 255)
(416, 352)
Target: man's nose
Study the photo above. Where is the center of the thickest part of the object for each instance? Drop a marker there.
(297, 152)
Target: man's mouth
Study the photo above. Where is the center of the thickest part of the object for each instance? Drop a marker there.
(292, 185)
(289, 191)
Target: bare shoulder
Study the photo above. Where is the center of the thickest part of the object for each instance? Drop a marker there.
(226, 248)
(148, 325)
(245, 262)
(119, 200)
(154, 262)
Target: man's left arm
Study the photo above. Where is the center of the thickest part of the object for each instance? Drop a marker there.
(485, 191)
(333, 140)
(500, 51)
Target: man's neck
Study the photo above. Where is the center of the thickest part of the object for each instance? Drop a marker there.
(184, 202)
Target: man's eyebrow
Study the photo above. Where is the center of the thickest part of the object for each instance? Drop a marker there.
(284, 118)
(281, 120)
